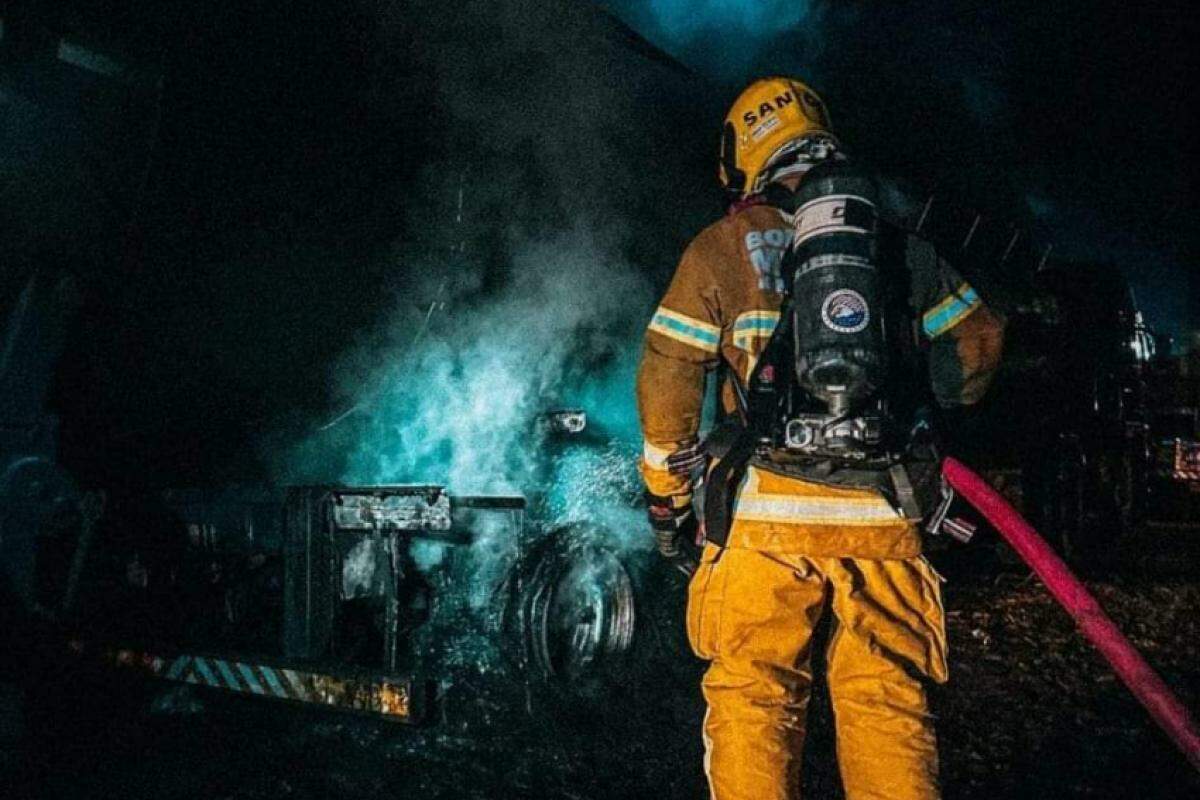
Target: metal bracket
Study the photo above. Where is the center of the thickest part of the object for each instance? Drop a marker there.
(941, 523)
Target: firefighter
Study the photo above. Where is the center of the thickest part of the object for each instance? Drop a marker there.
(812, 524)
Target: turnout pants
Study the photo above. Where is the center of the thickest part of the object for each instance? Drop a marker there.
(752, 614)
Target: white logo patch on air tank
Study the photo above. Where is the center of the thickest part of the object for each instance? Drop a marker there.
(845, 311)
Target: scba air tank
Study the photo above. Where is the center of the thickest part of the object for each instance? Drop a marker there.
(835, 287)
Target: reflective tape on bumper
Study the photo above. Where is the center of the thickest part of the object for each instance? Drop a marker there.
(389, 697)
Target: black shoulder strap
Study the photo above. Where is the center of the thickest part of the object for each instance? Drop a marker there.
(765, 391)
(720, 487)
(908, 383)
(772, 374)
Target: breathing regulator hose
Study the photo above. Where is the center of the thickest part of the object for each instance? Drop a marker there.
(1072, 595)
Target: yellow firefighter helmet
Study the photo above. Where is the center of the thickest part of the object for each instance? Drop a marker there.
(767, 120)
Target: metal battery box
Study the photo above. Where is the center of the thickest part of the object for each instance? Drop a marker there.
(347, 563)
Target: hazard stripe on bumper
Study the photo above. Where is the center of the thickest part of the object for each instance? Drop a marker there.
(386, 696)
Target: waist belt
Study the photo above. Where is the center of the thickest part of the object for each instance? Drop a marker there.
(740, 451)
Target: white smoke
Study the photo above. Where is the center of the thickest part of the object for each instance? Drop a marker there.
(460, 405)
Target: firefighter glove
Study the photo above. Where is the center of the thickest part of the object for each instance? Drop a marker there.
(675, 530)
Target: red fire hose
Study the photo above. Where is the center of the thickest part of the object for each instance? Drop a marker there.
(1069, 591)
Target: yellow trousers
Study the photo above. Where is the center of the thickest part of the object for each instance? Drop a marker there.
(752, 614)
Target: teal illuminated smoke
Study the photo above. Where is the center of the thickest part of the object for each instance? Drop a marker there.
(721, 38)
(681, 20)
(459, 404)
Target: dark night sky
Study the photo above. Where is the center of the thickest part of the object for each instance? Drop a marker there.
(297, 142)
(1079, 114)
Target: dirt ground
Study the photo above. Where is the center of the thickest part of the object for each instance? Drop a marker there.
(1030, 712)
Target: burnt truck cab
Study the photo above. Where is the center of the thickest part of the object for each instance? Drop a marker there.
(407, 602)
(387, 600)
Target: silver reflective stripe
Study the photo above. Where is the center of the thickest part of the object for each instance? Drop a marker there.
(800, 510)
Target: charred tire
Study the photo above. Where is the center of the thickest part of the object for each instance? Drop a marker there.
(571, 616)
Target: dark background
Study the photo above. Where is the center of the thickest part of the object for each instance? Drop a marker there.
(261, 185)
(232, 207)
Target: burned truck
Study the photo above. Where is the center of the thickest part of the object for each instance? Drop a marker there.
(407, 603)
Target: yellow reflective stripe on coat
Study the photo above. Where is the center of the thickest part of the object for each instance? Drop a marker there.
(749, 330)
(655, 457)
(689, 330)
(814, 504)
(659, 478)
(951, 311)
(753, 325)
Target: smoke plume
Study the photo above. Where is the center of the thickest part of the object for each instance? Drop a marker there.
(527, 263)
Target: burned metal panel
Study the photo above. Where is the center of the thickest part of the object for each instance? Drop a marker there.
(309, 577)
(360, 558)
(232, 521)
(419, 508)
